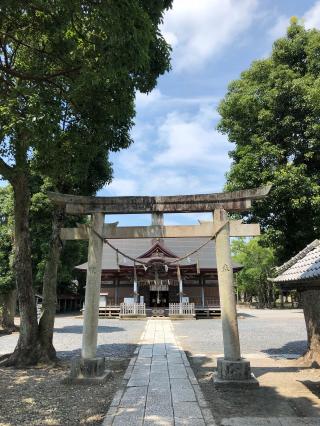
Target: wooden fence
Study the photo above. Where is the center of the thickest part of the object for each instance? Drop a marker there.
(208, 301)
(132, 309)
(181, 309)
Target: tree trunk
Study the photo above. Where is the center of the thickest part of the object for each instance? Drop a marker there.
(8, 303)
(311, 310)
(49, 292)
(26, 351)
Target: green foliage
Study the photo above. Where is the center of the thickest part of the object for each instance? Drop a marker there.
(6, 240)
(69, 73)
(272, 115)
(258, 262)
(74, 252)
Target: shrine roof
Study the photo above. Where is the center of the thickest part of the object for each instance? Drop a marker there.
(304, 267)
(178, 247)
(158, 249)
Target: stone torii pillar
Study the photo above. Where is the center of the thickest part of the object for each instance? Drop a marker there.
(232, 369)
(89, 368)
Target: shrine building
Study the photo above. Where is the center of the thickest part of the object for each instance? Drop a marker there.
(157, 279)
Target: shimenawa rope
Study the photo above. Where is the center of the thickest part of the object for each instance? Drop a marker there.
(179, 259)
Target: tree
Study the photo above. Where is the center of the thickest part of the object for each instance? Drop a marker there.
(68, 76)
(99, 173)
(258, 262)
(271, 114)
(310, 301)
(41, 212)
(7, 284)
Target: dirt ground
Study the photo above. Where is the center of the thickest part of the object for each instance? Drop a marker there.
(36, 397)
(287, 389)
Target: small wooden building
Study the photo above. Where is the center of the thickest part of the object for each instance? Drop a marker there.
(301, 272)
(158, 278)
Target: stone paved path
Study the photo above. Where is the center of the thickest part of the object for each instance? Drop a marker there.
(160, 388)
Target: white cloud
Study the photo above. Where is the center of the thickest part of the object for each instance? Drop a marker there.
(182, 154)
(311, 19)
(144, 100)
(200, 29)
(156, 99)
(280, 28)
(312, 16)
(123, 187)
(171, 182)
(192, 141)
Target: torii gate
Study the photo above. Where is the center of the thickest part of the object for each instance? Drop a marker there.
(231, 368)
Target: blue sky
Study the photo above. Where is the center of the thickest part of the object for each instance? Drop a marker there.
(177, 149)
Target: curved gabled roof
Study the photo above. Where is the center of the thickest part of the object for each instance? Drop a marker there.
(305, 266)
(177, 247)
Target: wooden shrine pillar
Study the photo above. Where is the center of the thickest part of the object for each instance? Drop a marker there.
(116, 290)
(202, 291)
(135, 290)
(231, 368)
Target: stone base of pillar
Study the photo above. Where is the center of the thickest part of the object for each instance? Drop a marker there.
(234, 374)
(87, 371)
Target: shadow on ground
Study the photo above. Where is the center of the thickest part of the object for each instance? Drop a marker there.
(313, 387)
(296, 347)
(77, 329)
(280, 384)
(112, 350)
(245, 315)
(36, 396)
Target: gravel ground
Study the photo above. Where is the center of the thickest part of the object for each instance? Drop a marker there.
(117, 338)
(268, 338)
(271, 332)
(36, 396)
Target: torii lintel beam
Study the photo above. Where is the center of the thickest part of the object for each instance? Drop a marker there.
(236, 201)
(205, 229)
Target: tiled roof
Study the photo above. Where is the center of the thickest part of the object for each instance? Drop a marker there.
(304, 266)
(179, 246)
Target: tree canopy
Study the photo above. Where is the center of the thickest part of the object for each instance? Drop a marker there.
(271, 114)
(6, 240)
(69, 71)
(257, 262)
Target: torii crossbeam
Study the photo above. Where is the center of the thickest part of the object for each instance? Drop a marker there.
(231, 367)
(236, 201)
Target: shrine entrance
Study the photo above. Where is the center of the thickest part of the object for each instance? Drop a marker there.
(229, 368)
(159, 299)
